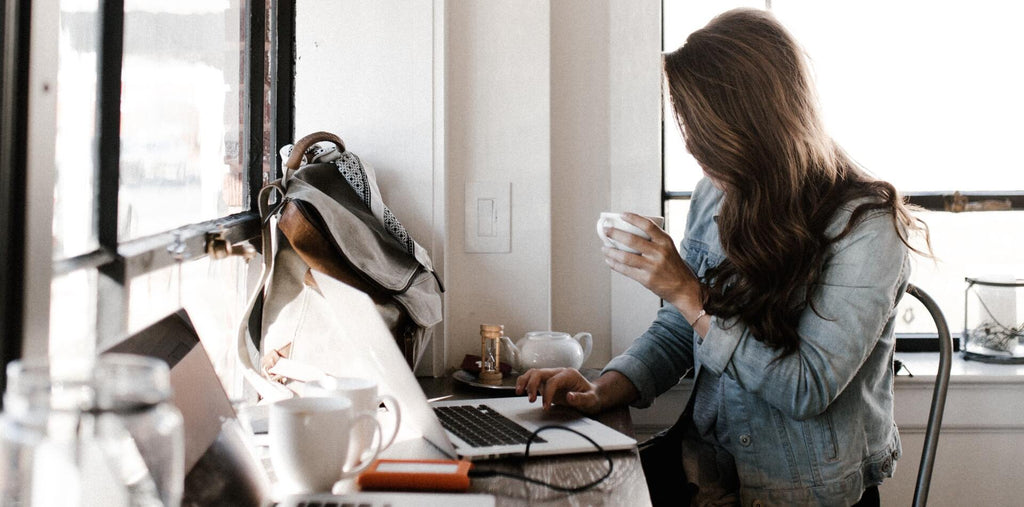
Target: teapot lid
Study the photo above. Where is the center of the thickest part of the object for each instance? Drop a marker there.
(546, 335)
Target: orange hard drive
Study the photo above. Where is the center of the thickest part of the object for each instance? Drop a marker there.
(415, 475)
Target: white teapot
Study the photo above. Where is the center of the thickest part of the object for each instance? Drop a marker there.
(549, 349)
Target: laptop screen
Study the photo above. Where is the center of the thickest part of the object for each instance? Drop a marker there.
(220, 467)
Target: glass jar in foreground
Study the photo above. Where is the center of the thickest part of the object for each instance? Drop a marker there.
(84, 434)
(994, 319)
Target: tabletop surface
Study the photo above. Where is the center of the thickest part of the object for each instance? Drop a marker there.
(626, 485)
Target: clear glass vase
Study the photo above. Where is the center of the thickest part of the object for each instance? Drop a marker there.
(994, 319)
(98, 433)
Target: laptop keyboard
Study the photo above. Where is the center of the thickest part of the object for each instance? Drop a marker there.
(339, 504)
(387, 499)
(480, 426)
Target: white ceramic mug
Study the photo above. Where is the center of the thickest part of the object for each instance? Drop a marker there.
(615, 221)
(362, 392)
(310, 439)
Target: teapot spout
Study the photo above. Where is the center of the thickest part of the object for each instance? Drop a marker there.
(513, 353)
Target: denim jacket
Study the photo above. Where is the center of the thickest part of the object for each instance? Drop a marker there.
(814, 427)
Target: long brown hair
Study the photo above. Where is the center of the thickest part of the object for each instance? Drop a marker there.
(743, 97)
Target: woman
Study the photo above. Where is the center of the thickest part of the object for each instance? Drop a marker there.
(783, 298)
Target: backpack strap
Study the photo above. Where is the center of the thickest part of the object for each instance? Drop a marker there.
(267, 389)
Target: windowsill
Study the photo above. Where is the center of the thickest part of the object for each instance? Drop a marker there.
(982, 397)
(924, 365)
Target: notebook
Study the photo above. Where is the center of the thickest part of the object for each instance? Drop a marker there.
(221, 466)
(370, 351)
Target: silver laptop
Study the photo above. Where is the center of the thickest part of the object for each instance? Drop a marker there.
(221, 466)
(370, 352)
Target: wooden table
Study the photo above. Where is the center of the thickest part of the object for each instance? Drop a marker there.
(624, 487)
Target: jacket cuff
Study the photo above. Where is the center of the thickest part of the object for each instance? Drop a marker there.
(717, 348)
(638, 373)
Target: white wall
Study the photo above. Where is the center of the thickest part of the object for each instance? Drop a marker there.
(498, 100)
(580, 160)
(42, 107)
(562, 99)
(606, 156)
(364, 71)
(559, 99)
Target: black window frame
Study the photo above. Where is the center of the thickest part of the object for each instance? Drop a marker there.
(119, 262)
(14, 67)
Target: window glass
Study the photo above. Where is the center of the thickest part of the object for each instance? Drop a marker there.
(181, 114)
(183, 94)
(966, 245)
(675, 217)
(213, 292)
(925, 96)
(74, 226)
(73, 315)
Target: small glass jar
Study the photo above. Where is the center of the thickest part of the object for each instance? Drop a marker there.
(97, 433)
(994, 319)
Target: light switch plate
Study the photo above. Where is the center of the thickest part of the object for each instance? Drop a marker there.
(488, 217)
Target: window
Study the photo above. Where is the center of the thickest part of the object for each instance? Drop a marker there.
(168, 117)
(924, 96)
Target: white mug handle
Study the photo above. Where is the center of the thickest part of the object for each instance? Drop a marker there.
(586, 341)
(376, 447)
(600, 232)
(393, 408)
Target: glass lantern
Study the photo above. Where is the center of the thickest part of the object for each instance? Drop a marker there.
(994, 320)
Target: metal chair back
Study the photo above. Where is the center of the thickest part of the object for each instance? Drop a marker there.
(931, 438)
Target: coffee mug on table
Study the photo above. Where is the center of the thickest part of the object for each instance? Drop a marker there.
(310, 439)
(615, 221)
(362, 392)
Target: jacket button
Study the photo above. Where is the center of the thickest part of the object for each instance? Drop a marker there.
(745, 440)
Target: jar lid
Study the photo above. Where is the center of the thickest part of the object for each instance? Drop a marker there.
(110, 382)
(995, 281)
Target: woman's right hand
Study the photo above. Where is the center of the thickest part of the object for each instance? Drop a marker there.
(658, 265)
(560, 386)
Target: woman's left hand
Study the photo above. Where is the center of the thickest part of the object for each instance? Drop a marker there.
(658, 266)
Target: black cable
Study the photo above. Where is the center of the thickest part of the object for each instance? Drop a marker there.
(565, 489)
